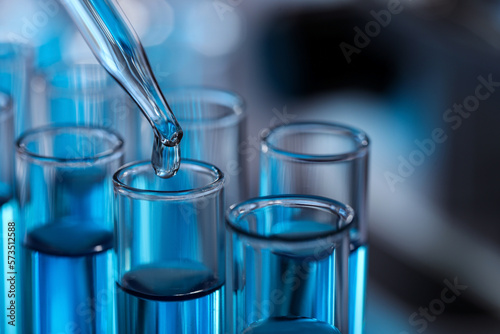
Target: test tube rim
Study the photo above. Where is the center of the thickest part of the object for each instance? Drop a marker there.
(235, 102)
(344, 211)
(110, 154)
(360, 138)
(168, 195)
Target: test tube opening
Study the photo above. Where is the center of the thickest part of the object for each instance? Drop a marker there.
(316, 142)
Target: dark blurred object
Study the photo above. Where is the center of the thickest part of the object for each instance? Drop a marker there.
(302, 55)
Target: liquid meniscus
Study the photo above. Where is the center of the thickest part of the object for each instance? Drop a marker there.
(174, 297)
(69, 278)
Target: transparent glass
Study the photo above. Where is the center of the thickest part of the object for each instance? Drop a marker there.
(63, 180)
(115, 44)
(170, 249)
(214, 127)
(287, 265)
(330, 160)
(86, 95)
(6, 146)
(8, 242)
(117, 47)
(16, 70)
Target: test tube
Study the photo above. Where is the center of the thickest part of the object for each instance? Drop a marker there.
(170, 249)
(16, 70)
(7, 146)
(330, 160)
(9, 293)
(287, 265)
(63, 181)
(86, 95)
(213, 121)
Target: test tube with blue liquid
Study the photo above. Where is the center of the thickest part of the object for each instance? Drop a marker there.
(287, 265)
(7, 165)
(330, 160)
(63, 180)
(170, 249)
(10, 275)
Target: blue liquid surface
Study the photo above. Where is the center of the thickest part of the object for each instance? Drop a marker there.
(301, 229)
(69, 237)
(178, 297)
(69, 278)
(290, 326)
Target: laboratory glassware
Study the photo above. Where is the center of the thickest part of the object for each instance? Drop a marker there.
(63, 186)
(213, 121)
(115, 44)
(170, 249)
(9, 251)
(287, 265)
(86, 95)
(330, 160)
(16, 71)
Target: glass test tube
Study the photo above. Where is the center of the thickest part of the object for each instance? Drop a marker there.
(329, 160)
(63, 180)
(16, 70)
(214, 126)
(287, 265)
(170, 249)
(86, 95)
(9, 293)
(7, 146)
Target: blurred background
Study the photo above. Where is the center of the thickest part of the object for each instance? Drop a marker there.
(421, 77)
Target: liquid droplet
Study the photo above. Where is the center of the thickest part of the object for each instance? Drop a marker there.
(166, 160)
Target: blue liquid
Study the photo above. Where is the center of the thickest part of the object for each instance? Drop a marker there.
(290, 326)
(69, 278)
(358, 262)
(6, 216)
(178, 297)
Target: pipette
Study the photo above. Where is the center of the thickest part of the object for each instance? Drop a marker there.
(117, 47)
